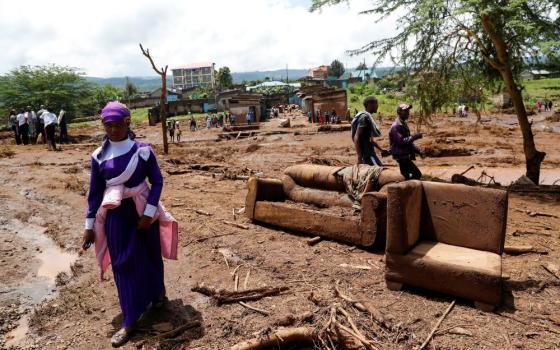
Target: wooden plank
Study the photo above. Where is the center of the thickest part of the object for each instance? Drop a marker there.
(309, 221)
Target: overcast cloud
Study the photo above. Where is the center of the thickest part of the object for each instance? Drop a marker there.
(101, 37)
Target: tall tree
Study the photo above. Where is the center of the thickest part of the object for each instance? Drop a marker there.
(51, 85)
(502, 33)
(336, 69)
(130, 90)
(162, 72)
(224, 78)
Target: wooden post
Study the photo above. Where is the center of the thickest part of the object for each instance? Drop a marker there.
(162, 72)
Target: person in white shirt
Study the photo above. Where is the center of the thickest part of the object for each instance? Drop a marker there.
(63, 127)
(23, 127)
(50, 121)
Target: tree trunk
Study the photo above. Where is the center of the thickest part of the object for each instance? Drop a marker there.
(163, 112)
(533, 157)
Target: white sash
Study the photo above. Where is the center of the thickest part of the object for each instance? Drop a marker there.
(143, 152)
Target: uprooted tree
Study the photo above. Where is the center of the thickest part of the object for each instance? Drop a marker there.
(502, 33)
(162, 72)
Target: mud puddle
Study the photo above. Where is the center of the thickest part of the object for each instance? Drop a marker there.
(44, 261)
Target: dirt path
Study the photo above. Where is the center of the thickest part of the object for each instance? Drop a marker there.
(42, 209)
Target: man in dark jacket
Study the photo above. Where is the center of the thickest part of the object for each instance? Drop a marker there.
(403, 149)
(364, 130)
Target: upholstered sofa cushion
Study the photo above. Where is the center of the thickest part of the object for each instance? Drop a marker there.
(465, 272)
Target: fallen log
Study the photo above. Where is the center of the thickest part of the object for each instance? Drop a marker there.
(523, 249)
(226, 297)
(278, 338)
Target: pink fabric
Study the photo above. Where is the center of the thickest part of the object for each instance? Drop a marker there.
(168, 226)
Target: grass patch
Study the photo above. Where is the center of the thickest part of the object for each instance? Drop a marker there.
(543, 89)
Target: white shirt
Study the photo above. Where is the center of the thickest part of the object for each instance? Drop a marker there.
(22, 119)
(61, 115)
(49, 118)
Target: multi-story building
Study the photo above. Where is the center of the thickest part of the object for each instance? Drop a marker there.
(321, 72)
(193, 75)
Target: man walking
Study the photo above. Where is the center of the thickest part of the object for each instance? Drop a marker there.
(364, 130)
(23, 127)
(402, 144)
(40, 126)
(50, 120)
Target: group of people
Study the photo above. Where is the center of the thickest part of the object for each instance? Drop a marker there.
(327, 117)
(401, 141)
(546, 104)
(28, 125)
(174, 129)
(215, 120)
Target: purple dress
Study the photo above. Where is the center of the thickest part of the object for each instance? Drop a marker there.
(135, 255)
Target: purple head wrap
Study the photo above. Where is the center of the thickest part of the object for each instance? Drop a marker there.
(114, 112)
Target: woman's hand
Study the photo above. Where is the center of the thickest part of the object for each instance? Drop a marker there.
(144, 223)
(88, 239)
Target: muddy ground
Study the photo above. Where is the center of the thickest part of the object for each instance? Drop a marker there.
(50, 296)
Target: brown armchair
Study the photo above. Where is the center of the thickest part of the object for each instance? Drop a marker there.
(447, 238)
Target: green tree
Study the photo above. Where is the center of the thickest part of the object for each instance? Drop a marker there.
(224, 78)
(51, 85)
(502, 33)
(130, 90)
(336, 69)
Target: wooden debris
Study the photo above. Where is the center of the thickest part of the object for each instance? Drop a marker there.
(241, 226)
(172, 333)
(314, 240)
(360, 267)
(260, 311)
(278, 338)
(227, 297)
(517, 233)
(364, 307)
(538, 213)
(552, 269)
(437, 325)
(201, 212)
(523, 249)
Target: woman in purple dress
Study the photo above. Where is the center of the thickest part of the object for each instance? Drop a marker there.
(131, 236)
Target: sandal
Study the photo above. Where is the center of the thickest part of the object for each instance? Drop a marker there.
(120, 338)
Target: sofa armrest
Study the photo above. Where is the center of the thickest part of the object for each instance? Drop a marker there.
(404, 210)
(373, 223)
(262, 189)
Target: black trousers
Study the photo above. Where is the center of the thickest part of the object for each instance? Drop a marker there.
(63, 133)
(49, 129)
(409, 170)
(16, 134)
(24, 133)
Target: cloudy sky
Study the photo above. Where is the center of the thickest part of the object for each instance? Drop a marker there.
(101, 37)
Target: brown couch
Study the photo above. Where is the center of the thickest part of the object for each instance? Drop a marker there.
(275, 202)
(447, 238)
